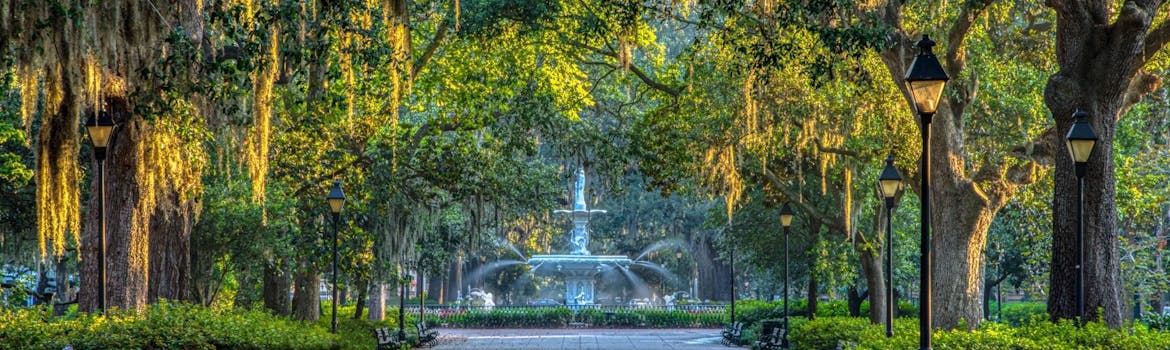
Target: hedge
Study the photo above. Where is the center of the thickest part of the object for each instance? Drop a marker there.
(1035, 334)
(560, 317)
(179, 326)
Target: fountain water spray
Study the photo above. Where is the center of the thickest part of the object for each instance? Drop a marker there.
(579, 268)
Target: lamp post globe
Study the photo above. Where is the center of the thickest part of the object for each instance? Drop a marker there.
(925, 81)
(1080, 141)
(336, 199)
(99, 126)
(926, 78)
(890, 181)
(786, 216)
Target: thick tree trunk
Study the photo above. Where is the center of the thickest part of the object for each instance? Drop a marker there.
(169, 252)
(127, 228)
(1100, 72)
(958, 251)
(378, 302)
(871, 267)
(1102, 275)
(306, 298)
(277, 283)
(963, 202)
(147, 234)
(714, 275)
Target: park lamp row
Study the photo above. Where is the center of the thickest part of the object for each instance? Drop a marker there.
(925, 81)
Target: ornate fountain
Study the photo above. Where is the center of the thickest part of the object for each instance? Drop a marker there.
(579, 268)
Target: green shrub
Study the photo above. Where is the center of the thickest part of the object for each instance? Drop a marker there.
(561, 316)
(712, 319)
(179, 326)
(1157, 322)
(1018, 313)
(509, 318)
(826, 332)
(1035, 334)
(751, 312)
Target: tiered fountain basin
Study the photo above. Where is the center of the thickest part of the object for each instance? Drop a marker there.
(579, 272)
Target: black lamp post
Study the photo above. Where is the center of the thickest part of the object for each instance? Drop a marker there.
(786, 220)
(99, 126)
(422, 316)
(925, 80)
(1080, 140)
(731, 263)
(401, 300)
(890, 182)
(336, 200)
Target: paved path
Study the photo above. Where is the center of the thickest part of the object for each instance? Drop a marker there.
(579, 339)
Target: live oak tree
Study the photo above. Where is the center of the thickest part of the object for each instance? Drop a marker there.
(1103, 49)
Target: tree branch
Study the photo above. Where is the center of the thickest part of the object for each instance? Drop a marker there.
(956, 56)
(832, 223)
(673, 92)
(440, 34)
(1155, 39)
(839, 151)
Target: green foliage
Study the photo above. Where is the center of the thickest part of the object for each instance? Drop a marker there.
(177, 326)
(512, 318)
(561, 317)
(1017, 314)
(357, 334)
(826, 332)
(1158, 322)
(1037, 333)
(751, 312)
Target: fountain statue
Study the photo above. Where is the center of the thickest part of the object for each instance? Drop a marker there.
(479, 298)
(579, 239)
(579, 268)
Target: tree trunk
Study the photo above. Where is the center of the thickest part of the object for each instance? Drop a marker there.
(958, 242)
(434, 288)
(127, 228)
(65, 294)
(1102, 275)
(963, 201)
(169, 251)
(714, 275)
(378, 302)
(853, 300)
(363, 288)
(39, 296)
(812, 298)
(277, 282)
(1101, 72)
(306, 298)
(871, 266)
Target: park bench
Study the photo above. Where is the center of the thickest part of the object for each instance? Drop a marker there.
(732, 333)
(425, 334)
(388, 339)
(773, 339)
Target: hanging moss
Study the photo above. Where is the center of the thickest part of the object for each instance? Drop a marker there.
(258, 137)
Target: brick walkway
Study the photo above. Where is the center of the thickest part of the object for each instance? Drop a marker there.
(578, 339)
